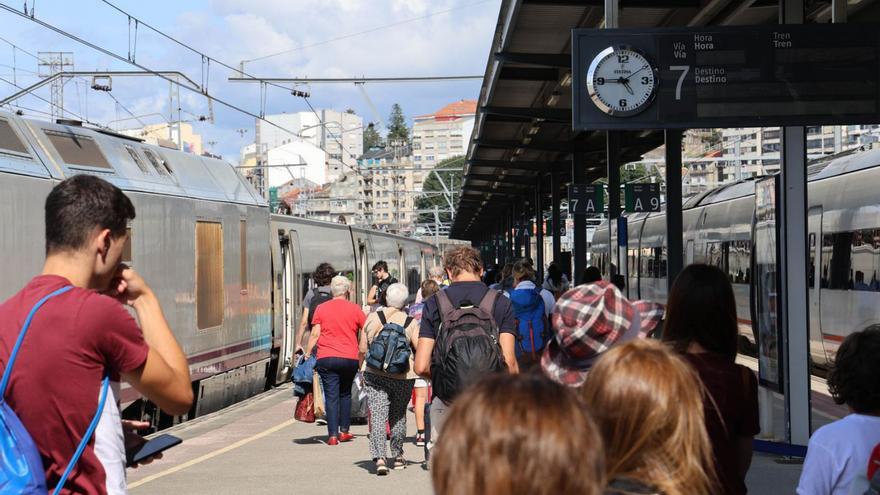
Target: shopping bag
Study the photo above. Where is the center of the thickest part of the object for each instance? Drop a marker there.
(318, 391)
(305, 409)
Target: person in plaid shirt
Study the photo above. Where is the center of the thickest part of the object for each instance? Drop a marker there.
(588, 320)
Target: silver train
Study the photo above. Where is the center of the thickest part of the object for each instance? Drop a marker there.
(230, 276)
(720, 229)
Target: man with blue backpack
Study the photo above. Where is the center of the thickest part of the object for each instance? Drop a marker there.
(532, 307)
(66, 341)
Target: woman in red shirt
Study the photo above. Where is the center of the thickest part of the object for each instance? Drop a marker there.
(335, 328)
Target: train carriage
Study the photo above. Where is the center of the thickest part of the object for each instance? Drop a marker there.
(843, 222)
(230, 276)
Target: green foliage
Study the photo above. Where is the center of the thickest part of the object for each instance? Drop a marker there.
(451, 178)
(397, 129)
(372, 139)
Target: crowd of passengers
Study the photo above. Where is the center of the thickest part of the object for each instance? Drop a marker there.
(577, 389)
(524, 387)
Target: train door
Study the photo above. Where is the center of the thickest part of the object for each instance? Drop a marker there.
(689, 253)
(290, 296)
(365, 277)
(814, 283)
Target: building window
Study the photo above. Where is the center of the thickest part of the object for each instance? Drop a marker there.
(209, 274)
(429, 158)
(78, 150)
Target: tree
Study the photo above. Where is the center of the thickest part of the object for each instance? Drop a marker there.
(397, 129)
(372, 139)
(452, 180)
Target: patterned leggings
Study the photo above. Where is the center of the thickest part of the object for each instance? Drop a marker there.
(387, 398)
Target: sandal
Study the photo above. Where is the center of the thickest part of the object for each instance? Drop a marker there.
(399, 463)
(381, 468)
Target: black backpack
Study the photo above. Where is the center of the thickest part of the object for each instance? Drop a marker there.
(319, 298)
(467, 347)
(390, 349)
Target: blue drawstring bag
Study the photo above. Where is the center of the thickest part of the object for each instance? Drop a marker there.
(302, 375)
(21, 469)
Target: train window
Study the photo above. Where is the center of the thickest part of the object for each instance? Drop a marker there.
(76, 149)
(209, 274)
(242, 238)
(9, 141)
(157, 162)
(715, 255)
(137, 159)
(850, 260)
(738, 261)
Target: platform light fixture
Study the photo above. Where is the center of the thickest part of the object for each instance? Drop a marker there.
(566, 80)
(534, 129)
(553, 100)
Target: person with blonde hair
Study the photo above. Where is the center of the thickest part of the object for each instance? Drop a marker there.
(518, 435)
(648, 405)
(335, 329)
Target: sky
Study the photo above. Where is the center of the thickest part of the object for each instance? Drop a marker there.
(325, 38)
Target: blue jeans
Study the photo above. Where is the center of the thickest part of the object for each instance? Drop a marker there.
(337, 375)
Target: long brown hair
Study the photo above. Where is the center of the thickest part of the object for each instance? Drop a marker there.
(648, 405)
(518, 435)
(702, 309)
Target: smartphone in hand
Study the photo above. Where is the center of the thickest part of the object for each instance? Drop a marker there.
(150, 448)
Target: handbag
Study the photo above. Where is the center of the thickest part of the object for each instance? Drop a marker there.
(305, 412)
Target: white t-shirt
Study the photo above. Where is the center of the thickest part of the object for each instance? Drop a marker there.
(837, 454)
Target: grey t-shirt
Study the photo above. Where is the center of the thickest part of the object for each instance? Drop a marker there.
(307, 301)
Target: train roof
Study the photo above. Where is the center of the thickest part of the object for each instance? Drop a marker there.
(59, 150)
(276, 217)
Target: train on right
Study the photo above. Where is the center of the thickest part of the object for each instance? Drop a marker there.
(720, 227)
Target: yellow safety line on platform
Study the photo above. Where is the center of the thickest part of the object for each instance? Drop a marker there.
(206, 457)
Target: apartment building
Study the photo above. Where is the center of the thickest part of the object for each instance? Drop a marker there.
(389, 188)
(441, 135)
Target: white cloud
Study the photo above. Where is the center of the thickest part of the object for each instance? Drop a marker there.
(452, 43)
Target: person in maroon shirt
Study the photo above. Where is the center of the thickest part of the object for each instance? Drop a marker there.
(701, 324)
(80, 335)
(335, 329)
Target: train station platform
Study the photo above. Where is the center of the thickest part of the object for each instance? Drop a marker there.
(256, 447)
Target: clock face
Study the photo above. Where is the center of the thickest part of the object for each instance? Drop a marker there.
(621, 82)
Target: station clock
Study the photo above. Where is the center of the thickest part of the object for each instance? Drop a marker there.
(621, 81)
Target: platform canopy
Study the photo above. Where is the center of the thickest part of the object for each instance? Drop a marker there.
(523, 121)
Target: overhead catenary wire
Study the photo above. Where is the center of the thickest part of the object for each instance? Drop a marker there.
(206, 61)
(79, 117)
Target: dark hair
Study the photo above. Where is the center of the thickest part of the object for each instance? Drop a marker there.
(855, 376)
(380, 265)
(518, 435)
(78, 206)
(324, 273)
(619, 281)
(702, 309)
(554, 273)
(429, 288)
(591, 274)
(522, 270)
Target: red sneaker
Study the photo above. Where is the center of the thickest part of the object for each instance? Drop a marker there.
(333, 441)
(346, 437)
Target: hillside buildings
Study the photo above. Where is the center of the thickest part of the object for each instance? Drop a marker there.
(441, 135)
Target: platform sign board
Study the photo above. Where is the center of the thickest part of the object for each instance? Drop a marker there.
(765, 320)
(640, 198)
(273, 199)
(585, 199)
(726, 76)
